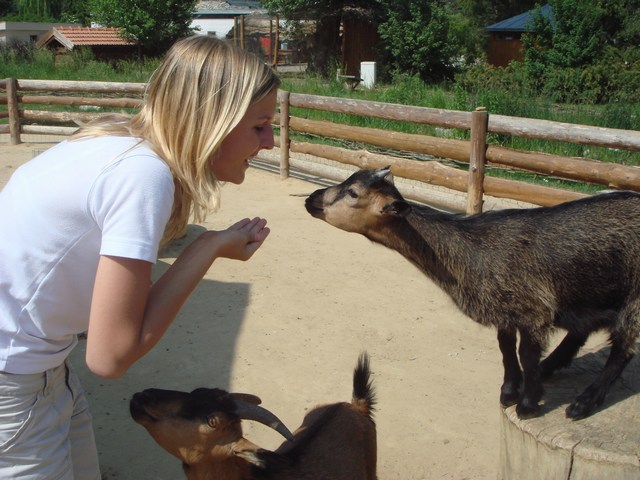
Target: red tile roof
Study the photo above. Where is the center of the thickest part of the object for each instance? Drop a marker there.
(93, 36)
(78, 36)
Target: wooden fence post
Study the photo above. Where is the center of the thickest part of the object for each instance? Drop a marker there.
(477, 160)
(14, 111)
(276, 44)
(284, 133)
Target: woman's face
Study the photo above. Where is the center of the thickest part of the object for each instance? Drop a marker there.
(251, 135)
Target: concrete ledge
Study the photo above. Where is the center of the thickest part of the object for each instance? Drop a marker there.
(604, 446)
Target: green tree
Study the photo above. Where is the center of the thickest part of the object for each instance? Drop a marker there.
(417, 38)
(31, 10)
(537, 46)
(76, 11)
(577, 35)
(621, 22)
(7, 7)
(153, 24)
(71, 11)
(587, 52)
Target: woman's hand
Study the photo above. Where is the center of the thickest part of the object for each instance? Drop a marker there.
(241, 240)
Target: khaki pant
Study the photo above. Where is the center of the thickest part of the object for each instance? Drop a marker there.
(45, 428)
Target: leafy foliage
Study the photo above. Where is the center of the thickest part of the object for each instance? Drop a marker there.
(587, 54)
(76, 11)
(45, 9)
(303, 9)
(30, 10)
(73, 11)
(7, 8)
(416, 36)
(153, 24)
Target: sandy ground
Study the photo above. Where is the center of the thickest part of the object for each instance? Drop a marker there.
(288, 326)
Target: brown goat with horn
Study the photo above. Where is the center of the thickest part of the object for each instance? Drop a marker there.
(575, 266)
(203, 429)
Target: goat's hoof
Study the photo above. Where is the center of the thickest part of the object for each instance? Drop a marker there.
(580, 408)
(509, 397)
(584, 404)
(526, 410)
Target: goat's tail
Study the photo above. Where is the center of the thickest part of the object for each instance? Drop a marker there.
(364, 395)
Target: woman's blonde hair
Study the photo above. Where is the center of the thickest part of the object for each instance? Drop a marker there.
(198, 94)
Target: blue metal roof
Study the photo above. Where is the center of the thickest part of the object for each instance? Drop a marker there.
(522, 22)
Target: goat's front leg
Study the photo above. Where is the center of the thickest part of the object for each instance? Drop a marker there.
(509, 392)
(530, 352)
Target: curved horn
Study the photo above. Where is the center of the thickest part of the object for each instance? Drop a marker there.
(246, 397)
(249, 411)
(385, 174)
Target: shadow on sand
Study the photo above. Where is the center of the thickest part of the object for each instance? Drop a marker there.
(197, 350)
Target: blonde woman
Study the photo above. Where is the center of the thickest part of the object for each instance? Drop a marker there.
(81, 226)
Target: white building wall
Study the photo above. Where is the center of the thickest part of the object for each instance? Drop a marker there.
(24, 32)
(209, 26)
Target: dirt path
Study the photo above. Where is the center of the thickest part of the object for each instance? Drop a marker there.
(288, 326)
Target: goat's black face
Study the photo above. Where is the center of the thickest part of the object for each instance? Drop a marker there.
(186, 424)
(189, 424)
(360, 202)
(155, 404)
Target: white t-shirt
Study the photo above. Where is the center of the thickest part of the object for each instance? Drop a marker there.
(58, 213)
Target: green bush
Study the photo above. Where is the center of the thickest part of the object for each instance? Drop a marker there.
(26, 61)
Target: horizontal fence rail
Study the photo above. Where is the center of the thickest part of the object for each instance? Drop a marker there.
(102, 96)
(588, 171)
(76, 103)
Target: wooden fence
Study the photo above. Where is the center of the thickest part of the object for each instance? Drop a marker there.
(477, 152)
(109, 96)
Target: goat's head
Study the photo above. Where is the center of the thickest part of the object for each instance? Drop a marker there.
(360, 203)
(205, 422)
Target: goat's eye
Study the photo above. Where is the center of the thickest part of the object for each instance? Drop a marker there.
(212, 421)
(352, 193)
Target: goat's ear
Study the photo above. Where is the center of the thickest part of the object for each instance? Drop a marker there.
(399, 208)
(385, 174)
(212, 421)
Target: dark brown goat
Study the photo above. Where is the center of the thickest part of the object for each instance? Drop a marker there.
(202, 429)
(574, 266)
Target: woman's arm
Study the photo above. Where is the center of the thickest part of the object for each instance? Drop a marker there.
(129, 315)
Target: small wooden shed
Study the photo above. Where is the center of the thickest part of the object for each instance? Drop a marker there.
(360, 41)
(505, 37)
(106, 43)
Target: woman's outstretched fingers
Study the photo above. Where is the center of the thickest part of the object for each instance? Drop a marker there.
(241, 240)
(255, 227)
(259, 229)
